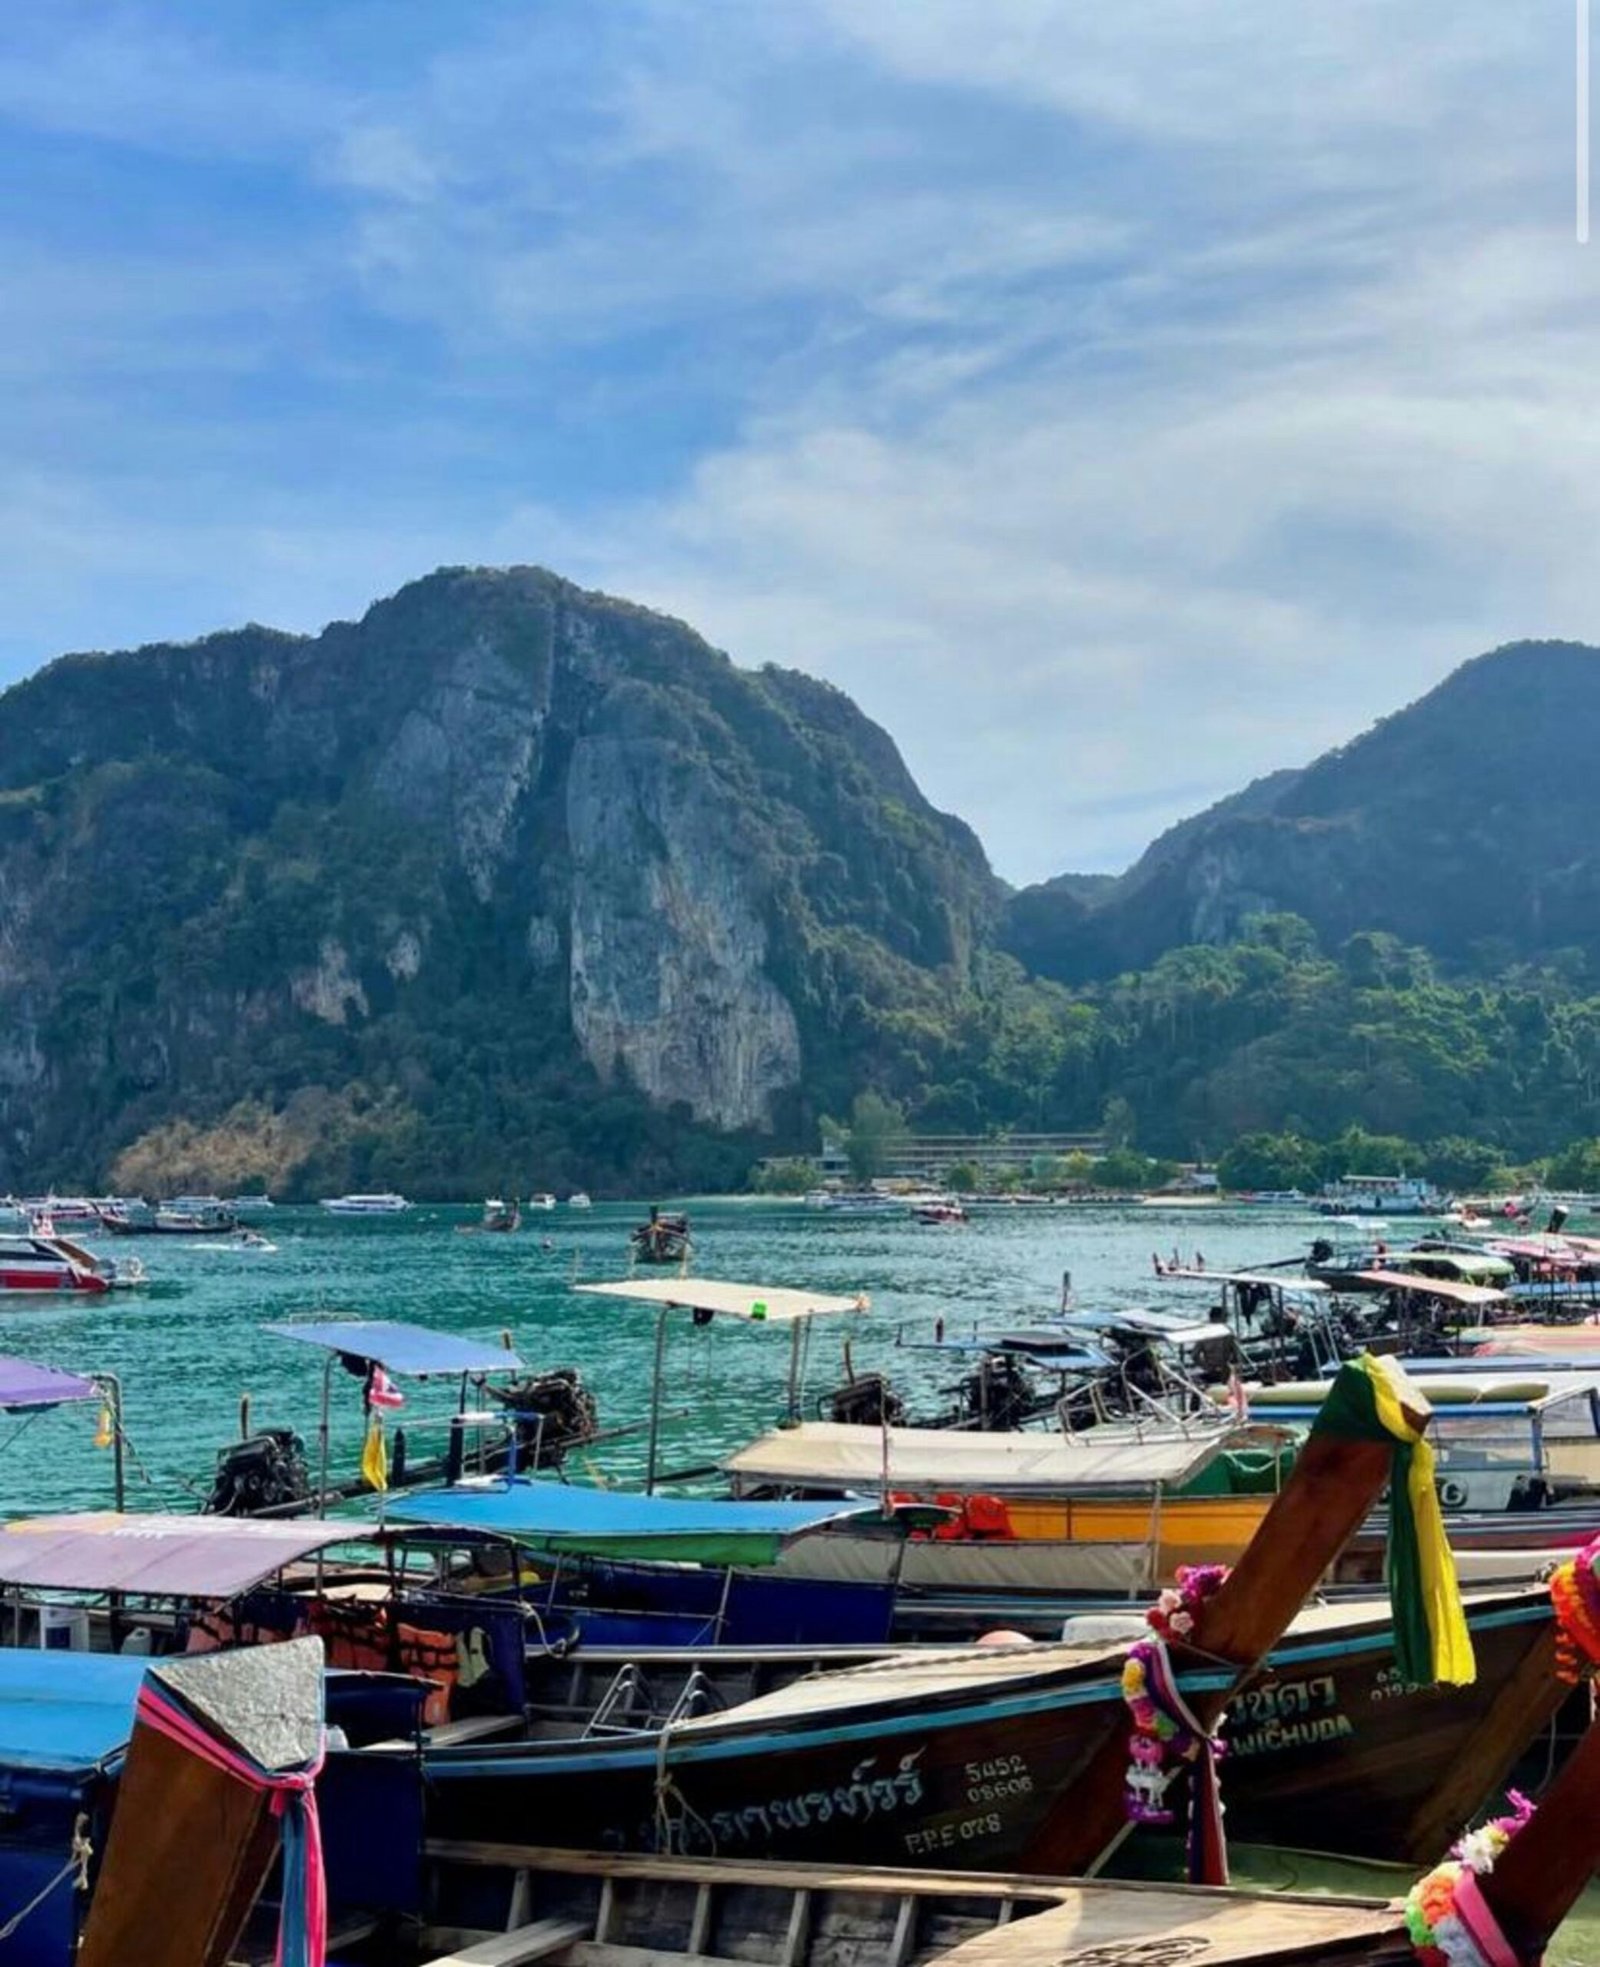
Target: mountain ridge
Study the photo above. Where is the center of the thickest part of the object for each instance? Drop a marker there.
(509, 884)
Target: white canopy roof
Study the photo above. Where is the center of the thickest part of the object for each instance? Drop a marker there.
(762, 1303)
(839, 1455)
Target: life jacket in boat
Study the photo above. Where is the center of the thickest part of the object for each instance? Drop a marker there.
(987, 1517)
(355, 1636)
(429, 1656)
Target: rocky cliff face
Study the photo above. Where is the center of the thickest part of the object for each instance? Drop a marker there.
(500, 846)
(1466, 823)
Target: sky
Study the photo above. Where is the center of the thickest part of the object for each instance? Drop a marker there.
(1119, 401)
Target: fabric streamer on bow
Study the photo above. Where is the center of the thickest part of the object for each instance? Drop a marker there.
(303, 1921)
(1431, 1642)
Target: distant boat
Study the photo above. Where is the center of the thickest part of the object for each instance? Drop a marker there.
(499, 1218)
(251, 1205)
(543, 1201)
(51, 1263)
(578, 1200)
(662, 1240)
(365, 1205)
(940, 1212)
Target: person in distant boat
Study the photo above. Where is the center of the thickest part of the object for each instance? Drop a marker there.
(1380, 1249)
(1155, 1258)
(1174, 1262)
(1199, 1261)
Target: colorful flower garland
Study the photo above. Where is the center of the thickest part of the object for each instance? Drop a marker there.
(1575, 1593)
(1447, 1918)
(1166, 1732)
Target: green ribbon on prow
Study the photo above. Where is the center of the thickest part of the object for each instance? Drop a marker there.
(1431, 1642)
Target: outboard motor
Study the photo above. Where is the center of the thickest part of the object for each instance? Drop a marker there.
(264, 1471)
(866, 1400)
(555, 1412)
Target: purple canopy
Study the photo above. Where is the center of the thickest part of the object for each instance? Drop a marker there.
(163, 1556)
(22, 1384)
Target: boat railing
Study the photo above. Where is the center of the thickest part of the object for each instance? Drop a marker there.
(620, 1698)
(696, 1695)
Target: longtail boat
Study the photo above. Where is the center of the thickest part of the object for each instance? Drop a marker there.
(1502, 1900)
(971, 1759)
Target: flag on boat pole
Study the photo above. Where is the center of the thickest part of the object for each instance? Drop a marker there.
(374, 1464)
(381, 1390)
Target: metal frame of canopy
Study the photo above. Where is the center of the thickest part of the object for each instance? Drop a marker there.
(413, 1351)
(706, 1298)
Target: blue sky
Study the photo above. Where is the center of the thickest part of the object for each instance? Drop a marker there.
(1119, 402)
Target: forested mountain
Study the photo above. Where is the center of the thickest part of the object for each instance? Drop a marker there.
(510, 885)
(1467, 823)
(506, 883)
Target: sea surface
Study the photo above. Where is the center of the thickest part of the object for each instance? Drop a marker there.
(188, 1349)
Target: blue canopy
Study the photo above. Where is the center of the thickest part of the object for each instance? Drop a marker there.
(65, 1712)
(400, 1348)
(559, 1517)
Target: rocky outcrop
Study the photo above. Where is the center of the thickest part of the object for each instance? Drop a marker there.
(669, 947)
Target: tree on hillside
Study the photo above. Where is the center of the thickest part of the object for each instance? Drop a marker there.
(877, 1133)
(1117, 1122)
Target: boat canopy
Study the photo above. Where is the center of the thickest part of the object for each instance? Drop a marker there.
(1452, 1396)
(414, 1350)
(1276, 1280)
(771, 1304)
(1170, 1327)
(839, 1455)
(1475, 1295)
(66, 1713)
(157, 1556)
(567, 1519)
(23, 1384)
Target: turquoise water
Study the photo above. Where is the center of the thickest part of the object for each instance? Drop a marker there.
(185, 1356)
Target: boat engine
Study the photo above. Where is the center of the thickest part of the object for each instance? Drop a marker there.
(865, 1400)
(998, 1396)
(264, 1471)
(555, 1412)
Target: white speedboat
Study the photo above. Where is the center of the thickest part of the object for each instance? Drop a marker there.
(578, 1200)
(365, 1205)
(541, 1202)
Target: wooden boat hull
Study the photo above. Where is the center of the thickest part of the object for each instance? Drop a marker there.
(581, 1909)
(1331, 1750)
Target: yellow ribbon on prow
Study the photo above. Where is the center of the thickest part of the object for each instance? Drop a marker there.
(1454, 1663)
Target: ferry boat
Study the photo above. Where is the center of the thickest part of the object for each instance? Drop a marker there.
(365, 1205)
(1381, 1195)
(78, 1211)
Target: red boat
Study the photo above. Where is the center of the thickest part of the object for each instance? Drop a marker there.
(50, 1263)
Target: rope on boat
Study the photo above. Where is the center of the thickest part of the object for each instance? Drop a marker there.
(673, 1808)
(76, 1868)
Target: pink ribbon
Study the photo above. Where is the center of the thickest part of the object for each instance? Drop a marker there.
(303, 1920)
(1472, 1909)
